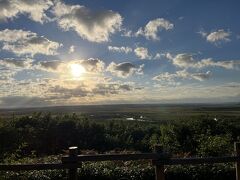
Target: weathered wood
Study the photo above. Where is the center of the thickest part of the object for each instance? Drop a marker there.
(159, 159)
(206, 160)
(113, 157)
(171, 161)
(73, 152)
(159, 169)
(237, 165)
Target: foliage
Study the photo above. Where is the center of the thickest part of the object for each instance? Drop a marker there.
(27, 138)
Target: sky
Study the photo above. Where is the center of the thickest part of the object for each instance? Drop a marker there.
(56, 53)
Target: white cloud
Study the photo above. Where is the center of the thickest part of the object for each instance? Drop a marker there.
(124, 69)
(159, 55)
(71, 49)
(127, 33)
(22, 42)
(185, 60)
(150, 31)
(142, 53)
(183, 74)
(201, 76)
(216, 37)
(90, 25)
(35, 9)
(121, 49)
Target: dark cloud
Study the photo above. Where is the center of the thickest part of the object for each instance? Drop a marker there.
(124, 69)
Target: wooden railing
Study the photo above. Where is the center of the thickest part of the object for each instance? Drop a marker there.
(73, 161)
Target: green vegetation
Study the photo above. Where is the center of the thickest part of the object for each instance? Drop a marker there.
(43, 137)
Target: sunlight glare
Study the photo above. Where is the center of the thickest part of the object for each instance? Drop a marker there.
(77, 70)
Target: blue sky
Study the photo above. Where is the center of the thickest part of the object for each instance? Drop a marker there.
(103, 52)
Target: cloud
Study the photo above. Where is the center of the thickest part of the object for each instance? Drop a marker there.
(9, 68)
(159, 55)
(63, 92)
(124, 69)
(127, 33)
(150, 31)
(34, 9)
(121, 49)
(90, 25)
(216, 37)
(112, 88)
(142, 53)
(52, 66)
(201, 76)
(22, 42)
(102, 89)
(71, 49)
(6, 76)
(183, 74)
(90, 65)
(185, 60)
(13, 63)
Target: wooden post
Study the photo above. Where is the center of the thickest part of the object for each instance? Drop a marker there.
(237, 165)
(159, 169)
(73, 152)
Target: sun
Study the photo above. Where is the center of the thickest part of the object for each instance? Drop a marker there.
(77, 70)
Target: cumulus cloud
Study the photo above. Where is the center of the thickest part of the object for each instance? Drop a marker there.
(216, 37)
(142, 53)
(124, 69)
(34, 9)
(121, 49)
(185, 60)
(13, 63)
(71, 49)
(90, 25)
(183, 74)
(93, 65)
(22, 42)
(150, 31)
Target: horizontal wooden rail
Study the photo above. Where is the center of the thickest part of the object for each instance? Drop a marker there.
(113, 157)
(159, 159)
(205, 160)
(120, 157)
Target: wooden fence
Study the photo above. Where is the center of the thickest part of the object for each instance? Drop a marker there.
(73, 161)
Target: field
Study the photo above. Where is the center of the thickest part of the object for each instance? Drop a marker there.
(149, 112)
(33, 135)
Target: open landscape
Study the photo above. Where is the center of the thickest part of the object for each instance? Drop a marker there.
(43, 135)
(119, 90)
